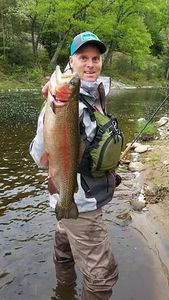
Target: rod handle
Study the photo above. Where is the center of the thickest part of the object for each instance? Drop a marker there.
(125, 151)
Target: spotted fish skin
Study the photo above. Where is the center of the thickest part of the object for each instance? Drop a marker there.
(62, 141)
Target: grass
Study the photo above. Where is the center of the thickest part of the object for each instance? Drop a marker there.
(12, 84)
(149, 132)
(153, 159)
(20, 78)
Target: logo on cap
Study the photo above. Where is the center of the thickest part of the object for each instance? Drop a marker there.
(88, 37)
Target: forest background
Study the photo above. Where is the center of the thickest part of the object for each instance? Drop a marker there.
(35, 36)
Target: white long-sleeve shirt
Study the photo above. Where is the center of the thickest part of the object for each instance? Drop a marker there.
(98, 187)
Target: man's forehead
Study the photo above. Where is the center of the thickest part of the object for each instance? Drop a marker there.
(88, 49)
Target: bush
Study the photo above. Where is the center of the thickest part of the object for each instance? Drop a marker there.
(149, 132)
(43, 58)
(35, 74)
(21, 55)
(120, 66)
(123, 68)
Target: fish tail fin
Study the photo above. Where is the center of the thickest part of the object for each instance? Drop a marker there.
(70, 212)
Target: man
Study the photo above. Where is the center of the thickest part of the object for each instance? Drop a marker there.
(85, 241)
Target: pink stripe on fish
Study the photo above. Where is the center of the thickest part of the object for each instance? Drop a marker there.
(66, 151)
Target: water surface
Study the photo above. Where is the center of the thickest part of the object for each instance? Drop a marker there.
(27, 223)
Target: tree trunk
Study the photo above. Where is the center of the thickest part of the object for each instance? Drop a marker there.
(3, 35)
(34, 40)
(54, 59)
(108, 55)
(167, 74)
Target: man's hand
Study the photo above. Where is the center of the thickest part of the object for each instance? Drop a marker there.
(45, 90)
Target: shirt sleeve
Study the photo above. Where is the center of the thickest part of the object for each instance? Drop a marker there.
(37, 146)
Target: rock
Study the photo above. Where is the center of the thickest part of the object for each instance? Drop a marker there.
(141, 120)
(134, 145)
(136, 166)
(138, 205)
(125, 215)
(150, 190)
(124, 218)
(166, 162)
(3, 274)
(117, 85)
(164, 133)
(134, 156)
(147, 136)
(151, 193)
(141, 149)
(108, 210)
(163, 121)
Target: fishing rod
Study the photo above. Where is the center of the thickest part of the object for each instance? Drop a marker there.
(139, 134)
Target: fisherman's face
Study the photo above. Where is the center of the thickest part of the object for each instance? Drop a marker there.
(87, 62)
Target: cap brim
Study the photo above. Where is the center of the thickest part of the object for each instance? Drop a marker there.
(102, 48)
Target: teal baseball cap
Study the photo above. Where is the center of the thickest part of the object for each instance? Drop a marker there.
(86, 38)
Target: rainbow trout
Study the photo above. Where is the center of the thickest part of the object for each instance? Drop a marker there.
(62, 141)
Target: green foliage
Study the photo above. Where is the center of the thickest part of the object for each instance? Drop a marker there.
(136, 41)
(149, 132)
(43, 59)
(20, 54)
(150, 129)
(153, 159)
(35, 74)
(121, 65)
(37, 32)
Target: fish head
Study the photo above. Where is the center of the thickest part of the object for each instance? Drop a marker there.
(63, 87)
(74, 86)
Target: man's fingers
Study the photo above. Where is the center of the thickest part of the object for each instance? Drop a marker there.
(45, 90)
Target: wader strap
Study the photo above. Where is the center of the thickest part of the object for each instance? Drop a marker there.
(90, 107)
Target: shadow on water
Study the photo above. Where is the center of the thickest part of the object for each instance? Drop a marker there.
(27, 223)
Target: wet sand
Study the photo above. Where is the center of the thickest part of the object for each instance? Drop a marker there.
(27, 269)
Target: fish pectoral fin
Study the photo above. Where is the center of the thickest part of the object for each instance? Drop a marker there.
(44, 160)
(52, 186)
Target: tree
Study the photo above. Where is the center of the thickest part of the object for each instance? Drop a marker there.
(68, 19)
(34, 15)
(6, 25)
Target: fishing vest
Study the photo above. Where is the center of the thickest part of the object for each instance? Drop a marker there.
(102, 155)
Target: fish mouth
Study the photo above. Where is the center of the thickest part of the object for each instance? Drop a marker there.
(60, 99)
(58, 102)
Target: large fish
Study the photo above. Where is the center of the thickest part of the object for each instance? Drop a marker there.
(62, 140)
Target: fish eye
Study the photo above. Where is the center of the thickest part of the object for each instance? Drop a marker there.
(73, 81)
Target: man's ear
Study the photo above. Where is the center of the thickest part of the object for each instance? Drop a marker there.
(71, 60)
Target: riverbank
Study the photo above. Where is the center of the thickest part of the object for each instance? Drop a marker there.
(153, 181)
(10, 82)
(26, 82)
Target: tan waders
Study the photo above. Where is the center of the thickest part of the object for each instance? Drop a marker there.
(85, 242)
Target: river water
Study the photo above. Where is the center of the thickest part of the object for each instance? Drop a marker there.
(27, 223)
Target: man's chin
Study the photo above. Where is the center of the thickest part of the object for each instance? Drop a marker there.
(89, 78)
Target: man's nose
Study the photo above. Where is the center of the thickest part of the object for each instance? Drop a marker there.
(90, 63)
